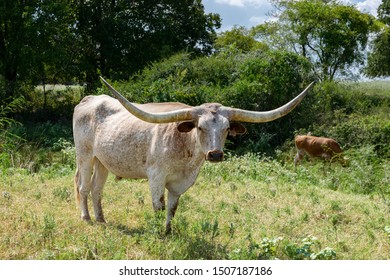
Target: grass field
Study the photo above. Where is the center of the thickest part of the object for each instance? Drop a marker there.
(243, 208)
(247, 207)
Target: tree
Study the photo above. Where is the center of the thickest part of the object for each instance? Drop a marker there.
(332, 35)
(240, 38)
(35, 42)
(384, 12)
(379, 57)
(12, 36)
(121, 37)
(48, 41)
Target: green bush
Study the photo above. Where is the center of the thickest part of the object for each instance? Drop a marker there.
(255, 81)
(48, 146)
(356, 115)
(54, 104)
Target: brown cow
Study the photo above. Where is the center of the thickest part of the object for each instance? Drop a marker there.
(321, 147)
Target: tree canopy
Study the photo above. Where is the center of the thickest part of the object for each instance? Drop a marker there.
(379, 57)
(60, 41)
(332, 35)
(44, 41)
(238, 38)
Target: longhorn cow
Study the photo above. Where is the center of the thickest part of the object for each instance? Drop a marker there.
(166, 143)
(321, 147)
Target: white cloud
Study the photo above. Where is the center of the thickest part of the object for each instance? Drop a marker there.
(244, 3)
(370, 6)
(238, 3)
(366, 6)
(257, 20)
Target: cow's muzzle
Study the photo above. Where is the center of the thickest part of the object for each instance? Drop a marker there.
(214, 156)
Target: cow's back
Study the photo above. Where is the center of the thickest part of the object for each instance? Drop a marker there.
(317, 146)
(126, 145)
(332, 144)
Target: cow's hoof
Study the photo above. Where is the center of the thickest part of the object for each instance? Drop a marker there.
(168, 230)
(86, 219)
(101, 220)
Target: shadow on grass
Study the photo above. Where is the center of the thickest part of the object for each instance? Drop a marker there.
(199, 248)
(129, 231)
(182, 246)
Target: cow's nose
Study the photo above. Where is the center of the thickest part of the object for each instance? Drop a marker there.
(214, 156)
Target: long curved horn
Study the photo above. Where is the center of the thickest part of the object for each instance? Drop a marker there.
(240, 115)
(165, 117)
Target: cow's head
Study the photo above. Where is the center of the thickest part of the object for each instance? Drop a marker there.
(212, 121)
(211, 125)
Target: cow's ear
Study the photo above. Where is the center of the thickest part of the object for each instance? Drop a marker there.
(236, 129)
(185, 126)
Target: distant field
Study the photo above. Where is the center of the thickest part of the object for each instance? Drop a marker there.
(380, 87)
(58, 87)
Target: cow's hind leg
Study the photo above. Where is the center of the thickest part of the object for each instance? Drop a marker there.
(83, 186)
(99, 178)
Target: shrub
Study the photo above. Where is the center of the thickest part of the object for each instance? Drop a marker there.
(36, 146)
(255, 81)
(352, 116)
(305, 251)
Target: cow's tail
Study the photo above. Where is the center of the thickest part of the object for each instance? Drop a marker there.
(76, 187)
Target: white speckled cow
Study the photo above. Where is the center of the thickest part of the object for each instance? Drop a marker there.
(166, 143)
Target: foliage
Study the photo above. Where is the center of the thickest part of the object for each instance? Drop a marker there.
(44, 146)
(378, 62)
(48, 29)
(305, 251)
(7, 109)
(353, 113)
(331, 35)
(75, 41)
(54, 103)
(384, 12)
(238, 38)
(254, 80)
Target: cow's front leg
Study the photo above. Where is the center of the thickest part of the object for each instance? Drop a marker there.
(298, 157)
(157, 189)
(173, 202)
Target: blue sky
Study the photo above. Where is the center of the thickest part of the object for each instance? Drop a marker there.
(249, 13)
